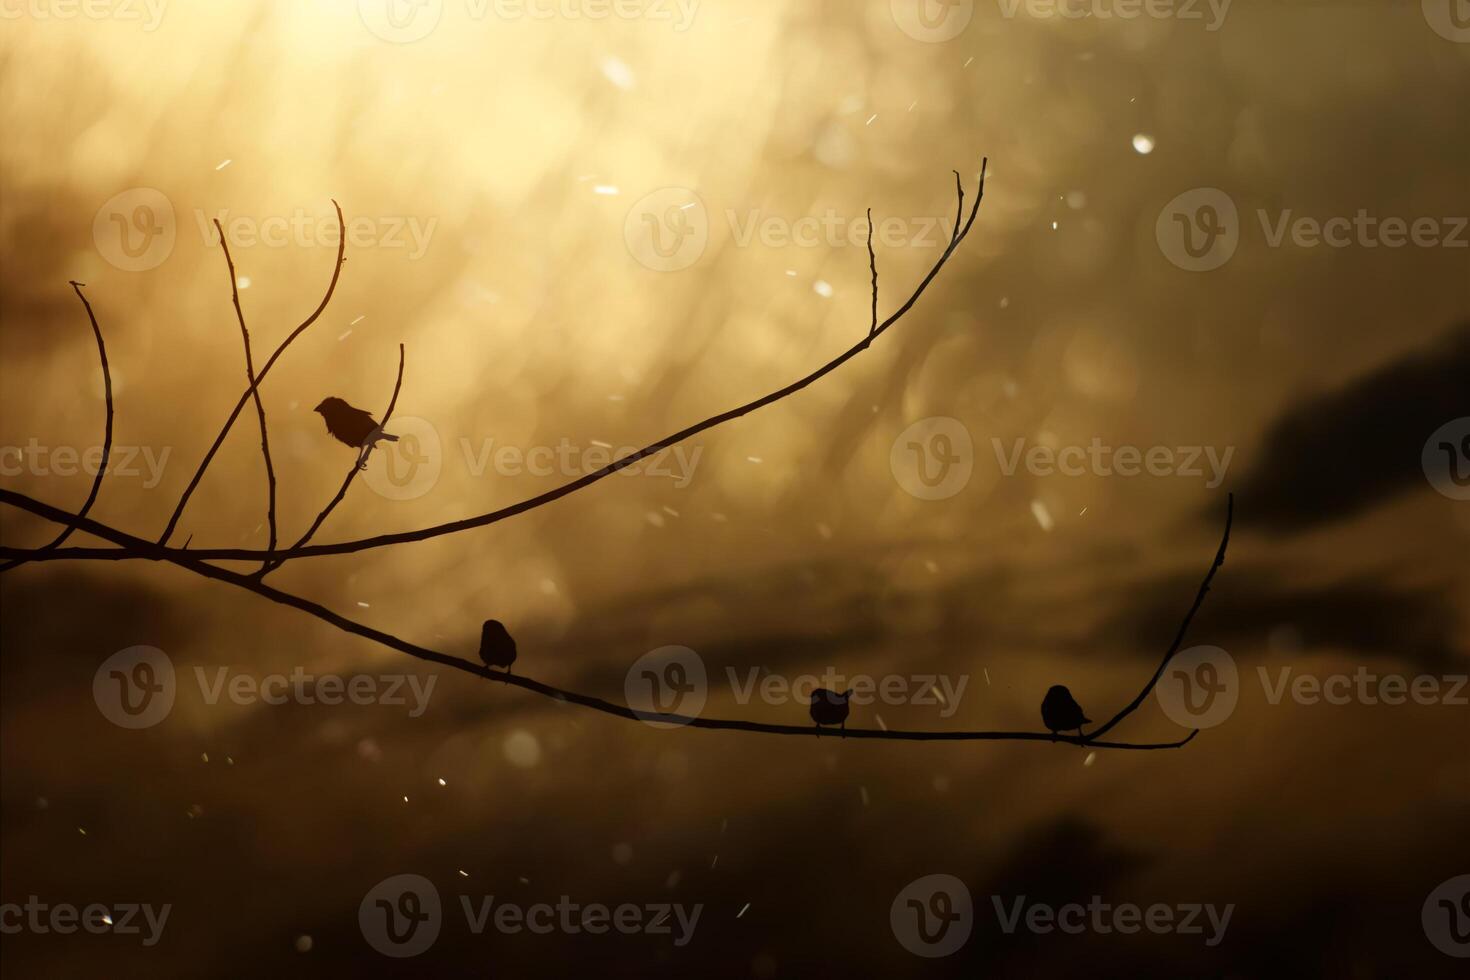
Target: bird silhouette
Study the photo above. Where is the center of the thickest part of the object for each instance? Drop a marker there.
(830, 708)
(1061, 713)
(352, 426)
(497, 648)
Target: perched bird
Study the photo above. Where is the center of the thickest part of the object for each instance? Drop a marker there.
(829, 708)
(497, 648)
(1061, 713)
(352, 426)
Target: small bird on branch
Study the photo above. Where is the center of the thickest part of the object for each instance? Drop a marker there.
(829, 708)
(352, 426)
(1061, 713)
(497, 647)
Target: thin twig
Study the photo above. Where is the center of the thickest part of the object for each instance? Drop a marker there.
(873, 267)
(240, 405)
(959, 193)
(134, 548)
(1183, 627)
(542, 499)
(351, 475)
(107, 430)
(250, 379)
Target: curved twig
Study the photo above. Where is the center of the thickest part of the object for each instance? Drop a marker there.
(351, 475)
(1183, 627)
(250, 379)
(137, 548)
(106, 437)
(173, 521)
(586, 480)
(873, 268)
(959, 192)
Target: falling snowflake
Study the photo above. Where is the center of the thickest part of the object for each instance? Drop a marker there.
(615, 70)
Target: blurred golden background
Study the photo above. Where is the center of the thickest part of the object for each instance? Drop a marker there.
(591, 226)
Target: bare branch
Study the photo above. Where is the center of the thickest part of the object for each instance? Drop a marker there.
(351, 475)
(542, 499)
(1183, 627)
(265, 444)
(107, 431)
(134, 547)
(240, 405)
